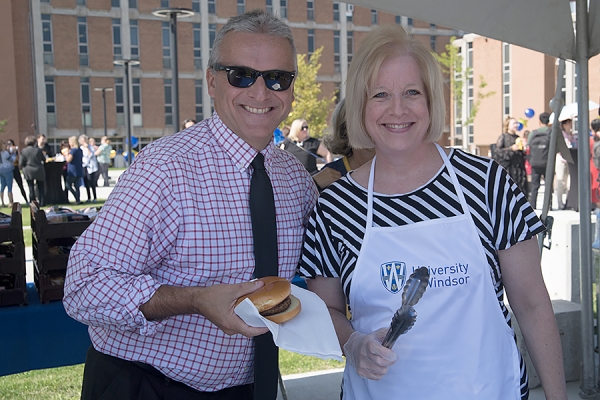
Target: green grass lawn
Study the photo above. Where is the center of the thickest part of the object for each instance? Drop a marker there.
(65, 382)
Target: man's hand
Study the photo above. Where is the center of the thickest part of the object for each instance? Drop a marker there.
(216, 303)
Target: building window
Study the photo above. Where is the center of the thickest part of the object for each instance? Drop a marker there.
(47, 39)
(168, 103)
(241, 6)
(212, 33)
(336, 52)
(398, 20)
(432, 27)
(86, 109)
(117, 45)
(133, 4)
(212, 7)
(350, 46)
(506, 77)
(119, 101)
(336, 11)
(349, 12)
(311, 42)
(374, 17)
(269, 6)
(83, 41)
(136, 101)
(283, 8)
(115, 3)
(432, 42)
(135, 39)
(310, 10)
(81, 3)
(166, 45)
(409, 22)
(196, 5)
(199, 112)
(197, 35)
(50, 101)
(45, 1)
(165, 3)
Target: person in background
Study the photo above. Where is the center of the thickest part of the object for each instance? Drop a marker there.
(44, 146)
(60, 157)
(32, 163)
(73, 155)
(419, 204)
(304, 147)
(538, 146)
(90, 168)
(595, 164)
(562, 167)
(187, 123)
(103, 156)
(7, 160)
(16, 169)
(510, 154)
(156, 276)
(337, 143)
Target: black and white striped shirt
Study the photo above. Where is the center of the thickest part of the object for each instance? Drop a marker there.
(502, 215)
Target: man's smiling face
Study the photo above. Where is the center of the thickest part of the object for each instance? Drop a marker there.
(254, 112)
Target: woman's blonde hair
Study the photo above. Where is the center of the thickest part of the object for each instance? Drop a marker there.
(337, 140)
(295, 129)
(505, 123)
(381, 43)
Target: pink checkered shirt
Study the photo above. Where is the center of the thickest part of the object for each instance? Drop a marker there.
(180, 216)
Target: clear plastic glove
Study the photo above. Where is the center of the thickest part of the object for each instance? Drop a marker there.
(366, 354)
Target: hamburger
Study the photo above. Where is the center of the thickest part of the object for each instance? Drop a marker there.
(274, 300)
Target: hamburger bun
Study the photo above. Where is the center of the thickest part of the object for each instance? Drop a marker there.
(274, 300)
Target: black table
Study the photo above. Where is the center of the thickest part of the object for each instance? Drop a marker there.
(54, 193)
(40, 336)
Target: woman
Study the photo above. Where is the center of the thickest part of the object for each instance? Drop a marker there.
(7, 160)
(90, 168)
(16, 170)
(103, 156)
(417, 204)
(32, 163)
(305, 148)
(337, 143)
(510, 153)
(562, 166)
(73, 156)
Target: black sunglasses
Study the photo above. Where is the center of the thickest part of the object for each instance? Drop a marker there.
(305, 128)
(243, 77)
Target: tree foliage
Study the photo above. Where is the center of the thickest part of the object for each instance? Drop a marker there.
(451, 62)
(308, 103)
(3, 124)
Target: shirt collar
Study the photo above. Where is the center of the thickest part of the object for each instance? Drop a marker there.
(240, 151)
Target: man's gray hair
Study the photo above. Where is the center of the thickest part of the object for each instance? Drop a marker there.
(255, 21)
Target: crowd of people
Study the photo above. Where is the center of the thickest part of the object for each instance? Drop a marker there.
(158, 274)
(85, 163)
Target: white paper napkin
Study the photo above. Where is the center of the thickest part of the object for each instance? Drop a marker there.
(311, 332)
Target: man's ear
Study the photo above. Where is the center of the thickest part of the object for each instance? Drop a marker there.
(210, 79)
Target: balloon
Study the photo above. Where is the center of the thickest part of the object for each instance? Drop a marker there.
(529, 113)
(520, 126)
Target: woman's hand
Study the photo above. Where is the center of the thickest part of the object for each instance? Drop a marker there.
(367, 355)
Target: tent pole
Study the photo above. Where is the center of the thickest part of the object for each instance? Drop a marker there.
(588, 379)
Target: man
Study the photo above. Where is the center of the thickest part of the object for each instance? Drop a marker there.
(43, 144)
(539, 144)
(158, 273)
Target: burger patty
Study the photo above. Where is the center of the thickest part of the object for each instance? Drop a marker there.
(281, 307)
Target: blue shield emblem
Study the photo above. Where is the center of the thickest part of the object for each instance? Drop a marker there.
(393, 275)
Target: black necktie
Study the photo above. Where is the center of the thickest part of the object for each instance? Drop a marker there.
(264, 232)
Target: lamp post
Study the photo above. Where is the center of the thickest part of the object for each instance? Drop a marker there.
(104, 90)
(173, 13)
(126, 64)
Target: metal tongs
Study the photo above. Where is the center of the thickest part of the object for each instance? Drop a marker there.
(406, 315)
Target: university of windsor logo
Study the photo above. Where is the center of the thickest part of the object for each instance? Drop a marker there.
(393, 275)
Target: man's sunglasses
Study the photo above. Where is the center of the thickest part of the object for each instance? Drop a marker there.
(243, 77)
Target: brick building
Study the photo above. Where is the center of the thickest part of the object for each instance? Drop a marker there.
(58, 55)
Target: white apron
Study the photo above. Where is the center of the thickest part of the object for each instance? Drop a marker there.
(460, 346)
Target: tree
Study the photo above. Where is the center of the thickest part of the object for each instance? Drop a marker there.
(307, 90)
(452, 65)
(3, 124)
